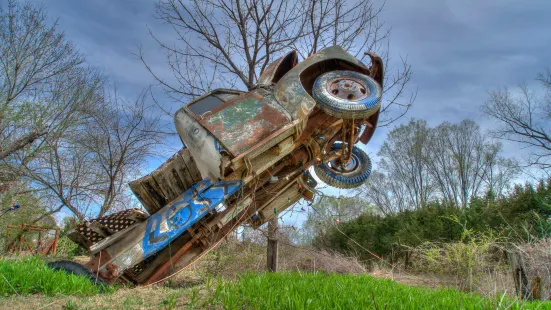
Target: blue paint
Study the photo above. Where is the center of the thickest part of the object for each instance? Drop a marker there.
(217, 146)
(168, 224)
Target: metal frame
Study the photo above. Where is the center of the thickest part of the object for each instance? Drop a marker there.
(51, 248)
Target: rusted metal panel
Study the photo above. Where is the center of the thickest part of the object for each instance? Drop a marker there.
(288, 196)
(246, 121)
(203, 147)
(277, 69)
(167, 182)
(290, 92)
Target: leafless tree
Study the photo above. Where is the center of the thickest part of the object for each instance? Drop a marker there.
(326, 210)
(230, 43)
(35, 60)
(461, 157)
(452, 162)
(119, 137)
(385, 193)
(501, 174)
(74, 142)
(525, 118)
(404, 154)
(86, 169)
(232, 39)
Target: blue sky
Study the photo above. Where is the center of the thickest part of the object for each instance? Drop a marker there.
(458, 50)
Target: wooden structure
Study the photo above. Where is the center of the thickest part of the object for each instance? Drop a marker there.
(21, 245)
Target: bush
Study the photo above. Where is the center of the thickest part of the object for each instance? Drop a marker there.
(68, 249)
(467, 260)
(520, 217)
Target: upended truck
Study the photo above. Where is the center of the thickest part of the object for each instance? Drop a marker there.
(246, 158)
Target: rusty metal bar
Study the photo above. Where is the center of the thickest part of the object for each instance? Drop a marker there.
(163, 268)
(54, 250)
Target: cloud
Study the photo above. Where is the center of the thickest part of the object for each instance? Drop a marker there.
(461, 49)
(458, 50)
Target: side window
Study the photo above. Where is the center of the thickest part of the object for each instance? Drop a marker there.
(204, 105)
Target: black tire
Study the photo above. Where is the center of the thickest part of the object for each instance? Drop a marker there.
(363, 94)
(71, 267)
(333, 175)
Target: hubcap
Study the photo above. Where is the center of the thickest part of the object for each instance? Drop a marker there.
(343, 167)
(348, 88)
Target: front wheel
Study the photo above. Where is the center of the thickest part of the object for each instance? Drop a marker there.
(71, 267)
(347, 94)
(351, 175)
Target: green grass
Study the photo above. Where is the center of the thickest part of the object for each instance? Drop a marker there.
(331, 291)
(31, 276)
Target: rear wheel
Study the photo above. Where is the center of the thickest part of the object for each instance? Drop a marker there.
(347, 94)
(345, 175)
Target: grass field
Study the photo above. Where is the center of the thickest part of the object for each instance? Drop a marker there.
(332, 291)
(31, 276)
(36, 286)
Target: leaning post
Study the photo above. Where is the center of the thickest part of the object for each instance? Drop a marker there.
(272, 245)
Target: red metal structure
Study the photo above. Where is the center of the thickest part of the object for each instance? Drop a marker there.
(24, 243)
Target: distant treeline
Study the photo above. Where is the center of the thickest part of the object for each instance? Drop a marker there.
(523, 215)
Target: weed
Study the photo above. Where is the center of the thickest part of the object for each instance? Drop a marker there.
(194, 298)
(70, 305)
(169, 303)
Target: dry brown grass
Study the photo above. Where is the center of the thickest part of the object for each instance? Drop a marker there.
(232, 258)
(138, 298)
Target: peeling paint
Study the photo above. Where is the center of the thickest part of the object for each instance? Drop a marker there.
(246, 122)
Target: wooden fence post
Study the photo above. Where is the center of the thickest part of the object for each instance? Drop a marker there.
(522, 285)
(272, 245)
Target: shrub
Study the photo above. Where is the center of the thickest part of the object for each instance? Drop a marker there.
(520, 217)
(467, 260)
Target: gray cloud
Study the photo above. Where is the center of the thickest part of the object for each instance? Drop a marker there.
(458, 50)
(461, 49)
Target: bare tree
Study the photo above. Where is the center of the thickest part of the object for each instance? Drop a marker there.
(119, 137)
(327, 210)
(74, 143)
(501, 174)
(86, 169)
(61, 174)
(237, 39)
(452, 162)
(460, 159)
(404, 154)
(525, 118)
(34, 57)
(230, 43)
(385, 193)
